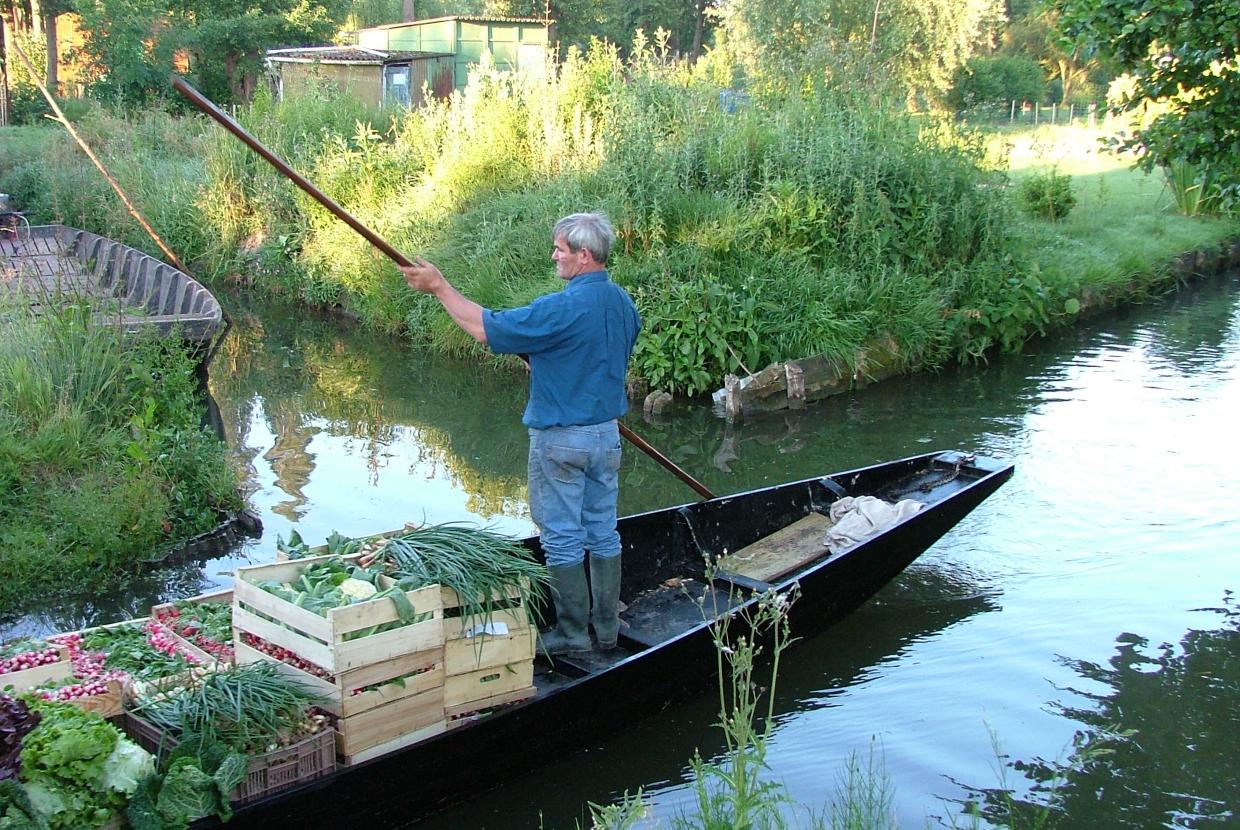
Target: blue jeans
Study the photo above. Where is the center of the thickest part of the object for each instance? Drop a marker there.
(574, 480)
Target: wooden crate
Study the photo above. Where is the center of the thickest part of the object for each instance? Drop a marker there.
(407, 700)
(108, 705)
(208, 659)
(396, 724)
(487, 661)
(488, 687)
(512, 616)
(25, 679)
(415, 672)
(322, 640)
(408, 739)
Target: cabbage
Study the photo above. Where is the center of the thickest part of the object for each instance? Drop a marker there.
(126, 766)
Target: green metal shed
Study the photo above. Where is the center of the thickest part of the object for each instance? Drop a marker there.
(515, 43)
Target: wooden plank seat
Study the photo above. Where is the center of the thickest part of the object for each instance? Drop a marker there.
(781, 553)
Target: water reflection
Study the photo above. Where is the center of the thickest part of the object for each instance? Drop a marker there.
(1158, 744)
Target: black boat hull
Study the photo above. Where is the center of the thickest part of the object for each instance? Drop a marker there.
(394, 790)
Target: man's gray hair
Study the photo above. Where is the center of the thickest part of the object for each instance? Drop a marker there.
(591, 231)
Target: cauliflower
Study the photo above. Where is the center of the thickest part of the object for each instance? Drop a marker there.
(357, 590)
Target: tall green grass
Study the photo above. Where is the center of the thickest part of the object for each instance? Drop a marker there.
(103, 459)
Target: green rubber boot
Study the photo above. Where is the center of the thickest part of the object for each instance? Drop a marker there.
(605, 587)
(572, 608)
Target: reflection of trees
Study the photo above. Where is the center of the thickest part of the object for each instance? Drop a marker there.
(308, 374)
(1200, 318)
(290, 457)
(1159, 746)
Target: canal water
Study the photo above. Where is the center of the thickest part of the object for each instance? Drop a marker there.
(1077, 633)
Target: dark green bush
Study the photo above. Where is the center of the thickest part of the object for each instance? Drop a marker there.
(1048, 195)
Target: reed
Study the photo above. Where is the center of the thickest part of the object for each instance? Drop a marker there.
(102, 457)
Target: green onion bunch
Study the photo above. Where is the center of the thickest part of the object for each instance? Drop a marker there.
(483, 568)
(247, 708)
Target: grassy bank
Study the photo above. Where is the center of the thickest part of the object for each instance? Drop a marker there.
(103, 460)
(781, 230)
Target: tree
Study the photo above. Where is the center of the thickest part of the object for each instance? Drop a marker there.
(616, 21)
(1039, 36)
(916, 44)
(996, 79)
(228, 38)
(129, 44)
(1182, 56)
(126, 51)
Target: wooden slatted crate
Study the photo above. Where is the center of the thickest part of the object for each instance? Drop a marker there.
(330, 642)
(487, 661)
(377, 705)
(385, 689)
(20, 681)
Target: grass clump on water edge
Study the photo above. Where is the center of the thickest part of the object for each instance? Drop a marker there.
(735, 791)
(103, 458)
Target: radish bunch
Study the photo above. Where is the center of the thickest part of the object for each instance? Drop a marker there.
(92, 688)
(161, 639)
(286, 656)
(29, 660)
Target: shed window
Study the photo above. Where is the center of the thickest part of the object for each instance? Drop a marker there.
(396, 84)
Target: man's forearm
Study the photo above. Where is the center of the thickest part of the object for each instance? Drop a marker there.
(464, 312)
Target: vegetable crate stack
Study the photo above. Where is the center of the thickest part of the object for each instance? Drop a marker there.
(488, 655)
(378, 661)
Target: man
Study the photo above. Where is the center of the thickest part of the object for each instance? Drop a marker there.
(578, 342)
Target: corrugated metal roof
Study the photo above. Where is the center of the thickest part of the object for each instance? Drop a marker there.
(346, 54)
(468, 18)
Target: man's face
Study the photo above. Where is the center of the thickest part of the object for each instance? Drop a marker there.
(568, 263)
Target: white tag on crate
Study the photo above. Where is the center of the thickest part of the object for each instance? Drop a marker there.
(493, 629)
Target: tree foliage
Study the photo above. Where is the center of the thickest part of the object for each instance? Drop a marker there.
(915, 45)
(129, 45)
(1183, 58)
(616, 21)
(997, 79)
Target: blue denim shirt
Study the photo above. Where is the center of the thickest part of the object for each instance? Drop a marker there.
(579, 341)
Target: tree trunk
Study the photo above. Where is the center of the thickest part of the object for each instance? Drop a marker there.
(36, 19)
(53, 60)
(699, 27)
(230, 74)
(4, 75)
(409, 11)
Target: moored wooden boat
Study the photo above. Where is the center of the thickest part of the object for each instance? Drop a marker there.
(765, 539)
(48, 265)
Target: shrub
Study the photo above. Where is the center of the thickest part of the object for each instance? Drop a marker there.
(1048, 195)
